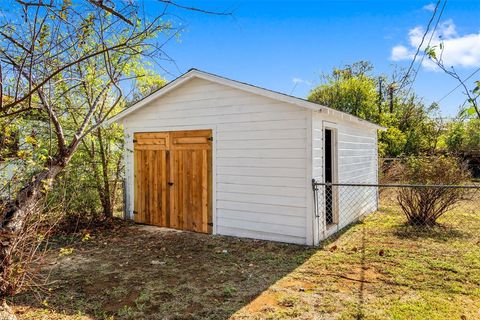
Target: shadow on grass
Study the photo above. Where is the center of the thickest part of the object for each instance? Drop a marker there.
(151, 273)
(440, 232)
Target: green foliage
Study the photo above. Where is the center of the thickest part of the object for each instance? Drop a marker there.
(353, 89)
(147, 80)
(9, 141)
(392, 142)
(463, 137)
(421, 131)
(90, 184)
(350, 90)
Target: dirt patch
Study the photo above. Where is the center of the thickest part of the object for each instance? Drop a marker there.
(126, 301)
(299, 285)
(144, 272)
(101, 284)
(264, 302)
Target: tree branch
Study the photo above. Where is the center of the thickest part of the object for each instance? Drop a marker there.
(40, 3)
(168, 2)
(56, 72)
(99, 3)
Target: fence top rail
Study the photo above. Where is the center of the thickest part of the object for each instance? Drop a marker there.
(396, 185)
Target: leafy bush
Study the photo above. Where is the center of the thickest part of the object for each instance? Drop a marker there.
(424, 205)
(90, 187)
(463, 137)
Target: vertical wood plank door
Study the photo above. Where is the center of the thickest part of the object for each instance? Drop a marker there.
(150, 167)
(173, 179)
(191, 182)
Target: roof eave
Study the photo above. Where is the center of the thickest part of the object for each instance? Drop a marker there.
(241, 86)
(351, 118)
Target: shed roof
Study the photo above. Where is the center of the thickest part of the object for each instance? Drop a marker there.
(195, 73)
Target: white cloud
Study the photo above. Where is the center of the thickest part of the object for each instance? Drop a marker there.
(458, 51)
(429, 7)
(401, 53)
(296, 81)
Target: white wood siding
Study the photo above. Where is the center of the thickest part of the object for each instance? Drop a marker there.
(260, 159)
(356, 163)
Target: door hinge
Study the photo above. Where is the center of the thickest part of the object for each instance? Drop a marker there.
(210, 139)
(210, 224)
(134, 140)
(135, 212)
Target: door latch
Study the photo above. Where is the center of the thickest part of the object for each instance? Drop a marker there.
(170, 183)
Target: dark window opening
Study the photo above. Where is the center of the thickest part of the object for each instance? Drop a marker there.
(329, 169)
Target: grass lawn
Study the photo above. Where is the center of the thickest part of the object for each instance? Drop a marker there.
(377, 269)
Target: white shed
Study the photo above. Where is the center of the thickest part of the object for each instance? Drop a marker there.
(210, 154)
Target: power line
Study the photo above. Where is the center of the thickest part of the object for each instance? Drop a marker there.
(431, 37)
(428, 45)
(405, 77)
(458, 86)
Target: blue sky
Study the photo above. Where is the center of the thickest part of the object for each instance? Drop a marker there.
(286, 45)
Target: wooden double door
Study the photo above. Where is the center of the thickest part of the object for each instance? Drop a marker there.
(173, 179)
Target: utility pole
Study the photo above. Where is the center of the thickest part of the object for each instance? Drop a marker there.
(390, 95)
(380, 97)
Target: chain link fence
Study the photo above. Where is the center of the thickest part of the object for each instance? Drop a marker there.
(389, 216)
(399, 250)
(419, 207)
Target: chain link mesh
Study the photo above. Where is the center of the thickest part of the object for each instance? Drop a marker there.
(417, 206)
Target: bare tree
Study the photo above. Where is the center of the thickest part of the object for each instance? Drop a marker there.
(63, 67)
(472, 103)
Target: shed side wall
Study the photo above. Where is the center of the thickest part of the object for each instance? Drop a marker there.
(356, 163)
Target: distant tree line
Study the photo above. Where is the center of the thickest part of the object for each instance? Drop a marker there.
(413, 127)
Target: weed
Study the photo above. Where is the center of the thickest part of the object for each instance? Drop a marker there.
(229, 290)
(287, 301)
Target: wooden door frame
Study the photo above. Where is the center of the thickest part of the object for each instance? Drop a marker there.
(130, 169)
